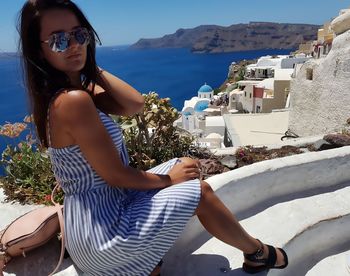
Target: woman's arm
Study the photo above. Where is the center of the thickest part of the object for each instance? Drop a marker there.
(114, 96)
(78, 115)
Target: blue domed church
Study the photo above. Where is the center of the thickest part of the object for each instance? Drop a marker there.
(195, 107)
(205, 92)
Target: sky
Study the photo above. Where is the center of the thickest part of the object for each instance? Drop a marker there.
(123, 22)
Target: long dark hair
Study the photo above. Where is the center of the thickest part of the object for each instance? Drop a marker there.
(43, 80)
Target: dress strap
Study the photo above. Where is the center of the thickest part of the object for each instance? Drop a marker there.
(48, 125)
(48, 116)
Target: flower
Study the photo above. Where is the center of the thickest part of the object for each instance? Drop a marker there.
(30, 140)
(47, 198)
(28, 119)
(12, 130)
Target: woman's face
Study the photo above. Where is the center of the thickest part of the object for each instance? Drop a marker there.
(71, 60)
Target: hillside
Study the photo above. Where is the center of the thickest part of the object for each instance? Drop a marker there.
(239, 37)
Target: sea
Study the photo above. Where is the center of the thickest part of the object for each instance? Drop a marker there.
(174, 73)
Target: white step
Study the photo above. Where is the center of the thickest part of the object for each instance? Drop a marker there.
(276, 225)
(338, 264)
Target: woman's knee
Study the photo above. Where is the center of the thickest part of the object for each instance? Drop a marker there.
(206, 189)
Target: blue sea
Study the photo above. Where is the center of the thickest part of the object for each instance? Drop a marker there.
(173, 73)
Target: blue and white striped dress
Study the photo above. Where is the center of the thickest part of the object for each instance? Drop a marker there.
(116, 231)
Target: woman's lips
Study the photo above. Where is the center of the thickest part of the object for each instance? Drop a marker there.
(74, 56)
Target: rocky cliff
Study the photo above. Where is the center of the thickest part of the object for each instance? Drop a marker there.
(239, 37)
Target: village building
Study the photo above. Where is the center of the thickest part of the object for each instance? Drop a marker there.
(193, 110)
(325, 37)
(266, 65)
(266, 85)
(319, 100)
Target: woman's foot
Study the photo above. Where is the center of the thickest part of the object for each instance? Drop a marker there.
(156, 270)
(264, 258)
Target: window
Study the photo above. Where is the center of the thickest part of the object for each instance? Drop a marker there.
(245, 94)
(250, 95)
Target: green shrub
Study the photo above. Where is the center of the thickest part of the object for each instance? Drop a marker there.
(240, 75)
(28, 176)
(151, 136)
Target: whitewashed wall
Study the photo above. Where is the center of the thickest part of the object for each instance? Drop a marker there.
(322, 105)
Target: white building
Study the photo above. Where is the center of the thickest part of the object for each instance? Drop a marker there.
(266, 65)
(205, 92)
(320, 98)
(262, 95)
(193, 111)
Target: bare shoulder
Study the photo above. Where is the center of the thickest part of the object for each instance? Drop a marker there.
(73, 105)
(73, 99)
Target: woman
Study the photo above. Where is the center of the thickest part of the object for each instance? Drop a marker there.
(118, 220)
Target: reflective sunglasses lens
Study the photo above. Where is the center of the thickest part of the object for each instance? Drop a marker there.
(59, 42)
(82, 36)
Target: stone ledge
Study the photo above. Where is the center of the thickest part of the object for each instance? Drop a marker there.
(276, 225)
(337, 264)
(266, 184)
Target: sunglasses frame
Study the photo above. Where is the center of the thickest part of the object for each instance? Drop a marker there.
(69, 36)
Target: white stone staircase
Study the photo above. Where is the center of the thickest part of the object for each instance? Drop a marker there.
(334, 263)
(300, 203)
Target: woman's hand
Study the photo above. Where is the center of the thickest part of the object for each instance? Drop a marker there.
(184, 171)
(117, 97)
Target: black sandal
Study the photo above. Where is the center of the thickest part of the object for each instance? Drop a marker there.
(267, 263)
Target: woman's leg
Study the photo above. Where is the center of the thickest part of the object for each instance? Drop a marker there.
(222, 224)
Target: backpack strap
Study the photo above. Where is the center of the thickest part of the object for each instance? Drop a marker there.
(58, 206)
(4, 258)
(61, 222)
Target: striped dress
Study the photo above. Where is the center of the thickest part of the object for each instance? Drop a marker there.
(117, 231)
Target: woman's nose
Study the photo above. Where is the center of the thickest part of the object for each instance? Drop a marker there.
(73, 41)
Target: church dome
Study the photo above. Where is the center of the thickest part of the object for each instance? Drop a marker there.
(205, 89)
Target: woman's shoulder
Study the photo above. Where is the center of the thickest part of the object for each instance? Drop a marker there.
(72, 99)
(72, 103)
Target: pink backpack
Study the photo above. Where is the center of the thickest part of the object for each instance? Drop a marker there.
(30, 231)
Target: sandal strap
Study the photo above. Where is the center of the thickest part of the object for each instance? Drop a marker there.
(253, 258)
(267, 263)
(256, 256)
(272, 258)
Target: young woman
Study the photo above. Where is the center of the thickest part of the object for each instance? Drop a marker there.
(118, 220)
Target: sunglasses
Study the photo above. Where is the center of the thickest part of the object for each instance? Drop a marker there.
(59, 42)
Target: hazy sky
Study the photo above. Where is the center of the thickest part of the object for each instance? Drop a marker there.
(120, 22)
